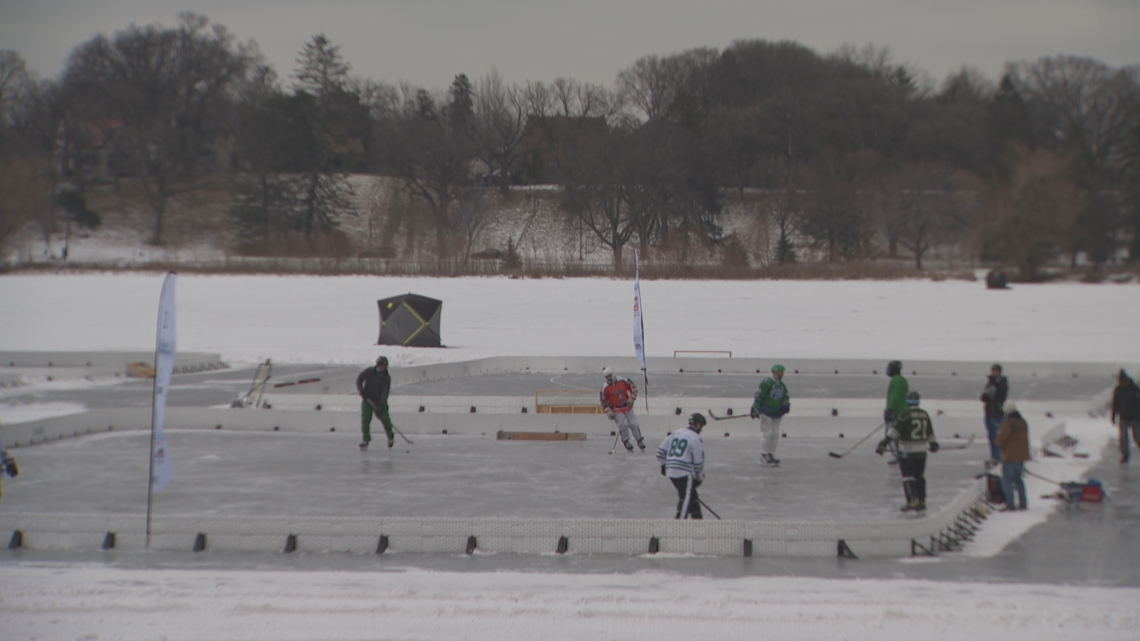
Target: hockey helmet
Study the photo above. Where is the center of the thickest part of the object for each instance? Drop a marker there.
(697, 419)
(894, 367)
(608, 372)
(383, 360)
(912, 398)
(777, 368)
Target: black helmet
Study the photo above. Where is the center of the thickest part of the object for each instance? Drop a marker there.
(696, 418)
(912, 398)
(383, 360)
(894, 367)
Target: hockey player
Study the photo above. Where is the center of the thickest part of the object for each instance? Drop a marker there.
(618, 396)
(913, 434)
(896, 400)
(769, 404)
(373, 385)
(682, 460)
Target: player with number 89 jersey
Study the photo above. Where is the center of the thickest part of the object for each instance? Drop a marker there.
(682, 459)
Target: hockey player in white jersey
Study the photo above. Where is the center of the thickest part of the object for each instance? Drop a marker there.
(682, 460)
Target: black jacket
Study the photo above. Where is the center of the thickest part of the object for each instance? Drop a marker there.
(1126, 401)
(373, 385)
(997, 389)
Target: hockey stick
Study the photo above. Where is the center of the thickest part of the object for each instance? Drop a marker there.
(968, 442)
(726, 418)
(394, 428)
(706, 506)
(834, 455)
(617, 435)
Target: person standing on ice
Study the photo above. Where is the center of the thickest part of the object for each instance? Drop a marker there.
(896, 399)
(373, 385)
(682, 460)
(994, 395)
(1126, 408)
(1013, 440)
(769, 404)
(618, 396)
(912, 434)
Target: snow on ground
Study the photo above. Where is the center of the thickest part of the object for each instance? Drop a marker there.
(93, 603)
(335, 320)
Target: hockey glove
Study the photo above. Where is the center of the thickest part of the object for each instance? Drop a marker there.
(609, 414)
(755, 413)
(662, 470)
(933, 446)
(882, 446)
(888, 417)
(785, 408)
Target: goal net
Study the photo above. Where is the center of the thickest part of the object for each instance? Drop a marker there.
(566, 401)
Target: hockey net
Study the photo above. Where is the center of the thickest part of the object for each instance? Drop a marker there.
(566, 401)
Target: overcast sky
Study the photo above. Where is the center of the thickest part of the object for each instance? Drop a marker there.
(427, 42)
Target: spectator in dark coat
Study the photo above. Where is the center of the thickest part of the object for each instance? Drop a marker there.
(1126, 409)
(994, 395)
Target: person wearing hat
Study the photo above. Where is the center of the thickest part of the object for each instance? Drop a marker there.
(1126, 408)
(618, 396)
(1013, 439)
(913, 434)
(994, 395)
(769, 404)
(373, 385)
(682, 460)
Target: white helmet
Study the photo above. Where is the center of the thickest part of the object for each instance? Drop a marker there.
(607, 372)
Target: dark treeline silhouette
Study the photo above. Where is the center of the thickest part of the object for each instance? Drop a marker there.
(842, 156)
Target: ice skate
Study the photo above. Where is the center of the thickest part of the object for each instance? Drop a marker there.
(390, 442)
(769, 461)
(364, 446)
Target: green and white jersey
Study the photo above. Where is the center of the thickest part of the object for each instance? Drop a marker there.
(913, 430)
(682, 453)
(771, 395)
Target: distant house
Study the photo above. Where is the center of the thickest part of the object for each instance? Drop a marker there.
(87, 149)
(550, 143)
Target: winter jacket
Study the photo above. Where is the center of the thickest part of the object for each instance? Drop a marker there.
(1013, 439)
(1126, 401)
(618, 396)
(994, 395)
(373, 385)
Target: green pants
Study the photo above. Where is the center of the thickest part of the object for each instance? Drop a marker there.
(366, 420)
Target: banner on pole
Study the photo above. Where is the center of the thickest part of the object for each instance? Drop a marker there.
(162, 467)
(638, 326)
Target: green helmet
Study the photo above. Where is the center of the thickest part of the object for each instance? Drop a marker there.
(777, 368)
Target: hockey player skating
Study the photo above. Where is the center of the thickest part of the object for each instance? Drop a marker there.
(618, 396)
(682, 460)
(769, 404)
(373, 385)
(912, 433)
(896, 399)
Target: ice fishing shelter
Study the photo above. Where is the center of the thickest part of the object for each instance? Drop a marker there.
(410, 320)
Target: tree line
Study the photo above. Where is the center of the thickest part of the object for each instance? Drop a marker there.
(853, 156)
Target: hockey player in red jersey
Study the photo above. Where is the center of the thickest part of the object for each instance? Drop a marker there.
(618, 396)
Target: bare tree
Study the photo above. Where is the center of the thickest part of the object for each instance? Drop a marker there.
(170, 87)
(500, 117)
(929, 206)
